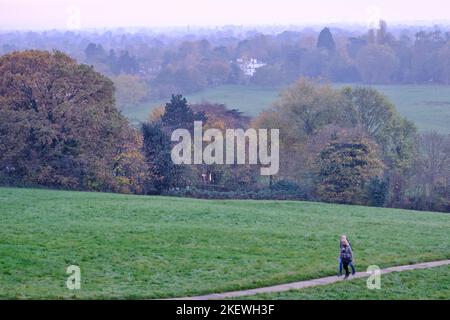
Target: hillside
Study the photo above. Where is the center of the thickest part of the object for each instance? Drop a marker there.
(152, 247)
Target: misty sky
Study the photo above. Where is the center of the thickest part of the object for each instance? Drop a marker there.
(75, 14)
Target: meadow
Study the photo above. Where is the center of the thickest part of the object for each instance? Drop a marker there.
(428, 106)
(131, 246)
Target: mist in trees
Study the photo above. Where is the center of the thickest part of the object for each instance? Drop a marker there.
(171, 62)
(61, 126)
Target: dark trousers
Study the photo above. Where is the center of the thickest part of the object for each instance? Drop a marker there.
(350, 264)
(345, 264)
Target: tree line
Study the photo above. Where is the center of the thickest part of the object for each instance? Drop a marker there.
(145, 66)
(60, 128)
(374, 57)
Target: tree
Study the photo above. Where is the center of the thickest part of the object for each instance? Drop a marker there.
(377, 191)
(130, 91)
(219, 116)
(371, 110)
(398, 143)
(314, 63)
(127, 64)
(300, 113)
(95, 53)
(326, 41)
(157, 144)
(225, 177)
(156, 149)
(156, 114)
(377, 63)
(305, 112)
(425, 54)
(59, 124)
(368, 108)
(346, 165)
(383, 37)
(430, 183)
(131, 170)
(308, 105)
(178, 114)
(444, 64)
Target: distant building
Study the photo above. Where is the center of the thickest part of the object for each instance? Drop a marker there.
(249, 66)
(148, 69)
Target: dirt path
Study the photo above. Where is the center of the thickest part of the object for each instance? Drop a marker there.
(312, 283)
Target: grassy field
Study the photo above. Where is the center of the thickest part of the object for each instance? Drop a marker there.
(249, 99)
(427, 106)
(151, 247)
(424, 284)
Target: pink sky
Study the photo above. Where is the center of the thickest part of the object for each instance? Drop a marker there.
(62, 14)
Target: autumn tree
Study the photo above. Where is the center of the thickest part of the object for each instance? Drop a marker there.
(133, 174)
(308, 105)
(226, 176)
(346, 166)
(368, 108)
(59, 124)
(300, 113)
(305, 110)
(371, 110)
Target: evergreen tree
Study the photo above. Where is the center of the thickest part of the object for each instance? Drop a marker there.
(178, 114)
(345, 167)
(157, 148)
(326, 41)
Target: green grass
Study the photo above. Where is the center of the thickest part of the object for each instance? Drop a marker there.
(428, 106)
(249, 99)
(152, 247)
(424, 284)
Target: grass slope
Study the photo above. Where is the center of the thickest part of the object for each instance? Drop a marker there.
(424, 284)
(151, 247)
(428, 106)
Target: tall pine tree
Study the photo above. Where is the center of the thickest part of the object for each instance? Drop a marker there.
(179, 115)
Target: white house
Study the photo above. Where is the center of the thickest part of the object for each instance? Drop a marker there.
(249, 66)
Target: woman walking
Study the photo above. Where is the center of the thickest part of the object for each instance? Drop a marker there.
(344, 237)
(346, 257)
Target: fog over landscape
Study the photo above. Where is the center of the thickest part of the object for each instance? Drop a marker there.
(173, 148)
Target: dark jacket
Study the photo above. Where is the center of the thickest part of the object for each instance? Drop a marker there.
(346, 253)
